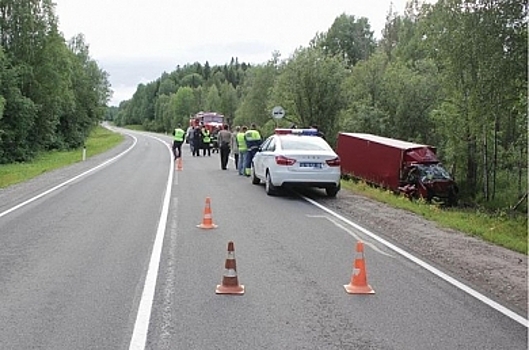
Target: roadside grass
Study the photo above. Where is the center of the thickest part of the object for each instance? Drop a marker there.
(99, 141)
(500, 228)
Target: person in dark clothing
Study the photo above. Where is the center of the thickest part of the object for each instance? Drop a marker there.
(197, 141)
(224, 140)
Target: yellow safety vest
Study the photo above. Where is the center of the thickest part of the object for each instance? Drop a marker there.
(205, 136)
(179, 134)
(241, 142)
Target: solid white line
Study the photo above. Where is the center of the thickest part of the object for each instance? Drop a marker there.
(16, 207)
(141, 326)
(449, 279)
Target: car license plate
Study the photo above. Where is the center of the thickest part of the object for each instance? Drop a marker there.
(310, 165)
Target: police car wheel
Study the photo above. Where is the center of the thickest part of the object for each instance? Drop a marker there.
(332, 191)
(255, 179)
(270, 189)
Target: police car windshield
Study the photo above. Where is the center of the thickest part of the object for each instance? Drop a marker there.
(304, 143)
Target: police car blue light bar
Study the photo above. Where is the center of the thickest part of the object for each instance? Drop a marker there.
(305, 132)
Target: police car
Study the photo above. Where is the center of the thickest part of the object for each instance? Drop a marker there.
(296, 158)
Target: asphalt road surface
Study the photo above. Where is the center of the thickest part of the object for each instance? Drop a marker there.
(106, 254)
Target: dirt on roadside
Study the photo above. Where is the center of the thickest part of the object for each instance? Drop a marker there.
(497, 272)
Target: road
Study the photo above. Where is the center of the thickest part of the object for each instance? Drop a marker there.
(107, 254)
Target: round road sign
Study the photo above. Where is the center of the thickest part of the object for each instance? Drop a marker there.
(278, 112)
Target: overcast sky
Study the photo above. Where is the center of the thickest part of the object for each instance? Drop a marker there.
(135, 41)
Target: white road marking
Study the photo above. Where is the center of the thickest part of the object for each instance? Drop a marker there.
(437, 272)
(354, 235)
(16, 207)
(141, 326)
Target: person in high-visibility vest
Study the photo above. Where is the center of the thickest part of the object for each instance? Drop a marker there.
(179, 137)
(253, 141)
(206, 141)
(243, 149)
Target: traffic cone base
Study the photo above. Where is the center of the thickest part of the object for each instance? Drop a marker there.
(179, 166)
(349, 288)
(207, 227)
(230, 282)
(358, 284)
(207, 220)
(237, 290)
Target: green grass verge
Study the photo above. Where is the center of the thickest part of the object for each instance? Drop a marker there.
(503, 229)
(99, 141)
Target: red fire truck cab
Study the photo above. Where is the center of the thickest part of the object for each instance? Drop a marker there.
(210, 120)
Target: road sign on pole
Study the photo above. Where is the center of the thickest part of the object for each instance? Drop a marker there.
(278, 112)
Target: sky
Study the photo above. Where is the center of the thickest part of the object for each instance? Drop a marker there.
(135, 41)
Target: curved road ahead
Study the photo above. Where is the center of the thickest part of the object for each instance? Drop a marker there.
(106, 254)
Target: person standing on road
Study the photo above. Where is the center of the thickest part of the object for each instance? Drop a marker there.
(206, 141)
(224, 139)
(214, 140)
(189, 137)
(253, 141)
(197, 141)
(235, 147)
(179, 136)
(243, 149)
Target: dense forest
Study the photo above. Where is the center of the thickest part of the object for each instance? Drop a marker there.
(51, 92)
(451, 74)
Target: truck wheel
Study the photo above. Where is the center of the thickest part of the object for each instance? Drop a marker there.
(270, 189)
(255, 179)
(332, 191)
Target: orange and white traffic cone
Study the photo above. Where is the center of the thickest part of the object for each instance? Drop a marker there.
(358, 283)
(179, 166)
(230, 282)
(207, 220)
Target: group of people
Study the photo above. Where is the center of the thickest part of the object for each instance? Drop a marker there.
(243, 143)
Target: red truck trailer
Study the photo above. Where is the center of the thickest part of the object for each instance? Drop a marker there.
(405, 167)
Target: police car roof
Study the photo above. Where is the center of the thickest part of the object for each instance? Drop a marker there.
(300, 132)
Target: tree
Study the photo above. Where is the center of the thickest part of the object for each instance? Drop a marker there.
(162, 115)
(192, 80)
(17, 118)
(349, 38)
(213, 101)
(167, 85)
(363, 98)
(255, 95)
(480, 47)
(310, 89)
(408, 97)
(228, 100)
(181, 106)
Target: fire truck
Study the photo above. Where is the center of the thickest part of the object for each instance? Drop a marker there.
(210, 120)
